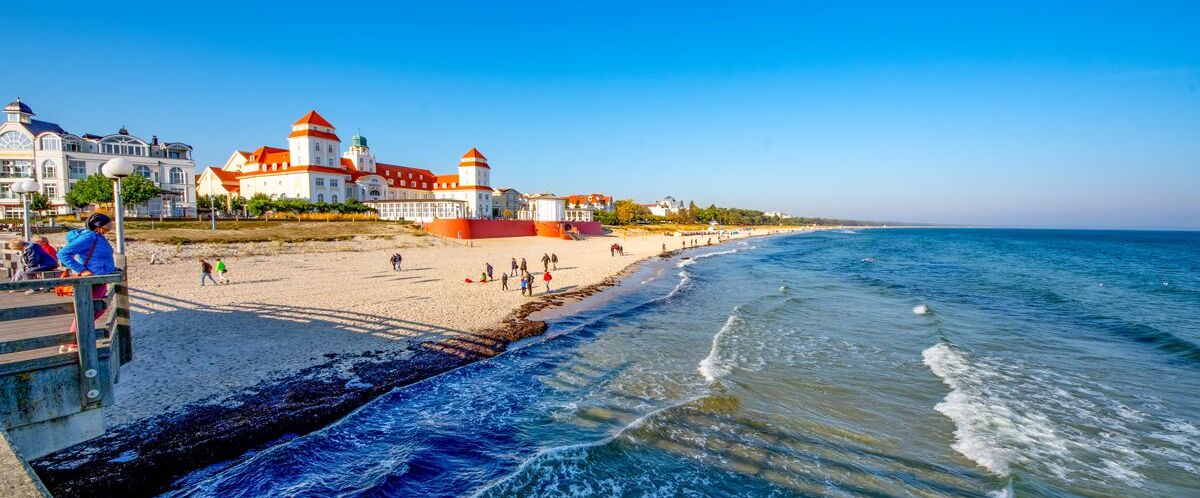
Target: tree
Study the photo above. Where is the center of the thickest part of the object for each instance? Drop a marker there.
(629, 211)
(137, 190)
(95, 189)
(259, 204)
(38, 202)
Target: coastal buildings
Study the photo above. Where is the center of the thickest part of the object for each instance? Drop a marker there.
(44, 151)
(507, 202)
(776, 214)
(315, 168)
(595, 202)
(668, 205)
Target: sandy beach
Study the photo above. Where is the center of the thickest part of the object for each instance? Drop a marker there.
(320, 326)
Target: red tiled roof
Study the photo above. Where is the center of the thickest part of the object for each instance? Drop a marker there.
(225, 176)
(474, 153)
(314, 119)
(313, 133)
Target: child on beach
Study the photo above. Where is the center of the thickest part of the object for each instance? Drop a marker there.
(523, 282)
(546, 278)
(221, 269)
(205, 272)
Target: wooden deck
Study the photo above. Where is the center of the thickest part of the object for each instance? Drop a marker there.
(33, 327)
(50, 398)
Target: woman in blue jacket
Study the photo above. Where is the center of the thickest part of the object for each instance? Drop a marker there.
(86, 253)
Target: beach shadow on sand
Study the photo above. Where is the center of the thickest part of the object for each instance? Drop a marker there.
(375, 354)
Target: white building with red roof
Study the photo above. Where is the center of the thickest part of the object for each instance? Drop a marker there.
(315, 168)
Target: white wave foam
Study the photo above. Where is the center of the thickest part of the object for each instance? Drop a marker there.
(1052, 422)
(920, 309)
(711, 367)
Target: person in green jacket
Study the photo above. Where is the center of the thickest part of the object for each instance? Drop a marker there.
(221, 272)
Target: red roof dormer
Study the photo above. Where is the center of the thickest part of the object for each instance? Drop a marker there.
(473, 158)
(312, 118)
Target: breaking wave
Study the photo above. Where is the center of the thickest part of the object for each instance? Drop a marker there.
(712, 367)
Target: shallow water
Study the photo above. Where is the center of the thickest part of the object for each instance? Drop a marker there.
(856, 363)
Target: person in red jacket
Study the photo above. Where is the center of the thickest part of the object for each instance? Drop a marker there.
(546, 278)
(45, 245)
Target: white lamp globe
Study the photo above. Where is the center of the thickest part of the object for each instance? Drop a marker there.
(117, 167)
(27, 186)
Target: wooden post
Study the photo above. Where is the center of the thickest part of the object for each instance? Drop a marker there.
(85, 337)
(121, 312)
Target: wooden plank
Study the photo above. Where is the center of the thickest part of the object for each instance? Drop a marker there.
(89, 363)
(47, 357)
(24, 285)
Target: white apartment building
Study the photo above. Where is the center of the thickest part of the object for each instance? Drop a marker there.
(668, 205)
(44, 151)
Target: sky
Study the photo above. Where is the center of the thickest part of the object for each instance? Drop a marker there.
(1041, 114)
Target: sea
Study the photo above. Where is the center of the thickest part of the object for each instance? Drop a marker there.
(865, 362)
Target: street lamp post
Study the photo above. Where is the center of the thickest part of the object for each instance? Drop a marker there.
(26, 188)
(116, 169)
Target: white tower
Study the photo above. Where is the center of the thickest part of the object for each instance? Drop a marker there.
(313, 142)
(360, 154)
(473, 170)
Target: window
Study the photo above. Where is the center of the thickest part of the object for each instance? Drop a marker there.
(142, 171)
(123, 145)
(49, 142)
(333, 183)
(12, 140)
(77, 170)
(176, 176)
(50, 190)
(335, 198)
(402, 184)
(316, 147)
(320, 182)
(49, 169)
(332, 161)
(70, 144)
(320, 197)
(331, 148)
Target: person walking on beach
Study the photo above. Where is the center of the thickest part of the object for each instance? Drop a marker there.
(504, 281)
(524, 267)
(514, 267)
(396, 260)
(554, 261)
(545, 262)
(205, 272)
(88, 253)
(523, 284)
(546, 278)
(221, 269)
(488, 270)
(612, 250)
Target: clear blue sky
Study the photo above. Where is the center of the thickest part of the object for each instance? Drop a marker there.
(1072, 114)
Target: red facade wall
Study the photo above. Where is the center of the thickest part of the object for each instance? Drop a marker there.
(487, 229)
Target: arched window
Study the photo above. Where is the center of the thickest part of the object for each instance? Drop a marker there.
(375, 193)
(49, 142)
(334, 198)
(11, 140)
(49, 170)
(320, 197)
(70, 144)
(142, 171)
(176, 176)
(123, 145)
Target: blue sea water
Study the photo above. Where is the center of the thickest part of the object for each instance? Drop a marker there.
(883, 362)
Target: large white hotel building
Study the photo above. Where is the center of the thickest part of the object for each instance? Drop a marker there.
(44, 151)
(314, 167)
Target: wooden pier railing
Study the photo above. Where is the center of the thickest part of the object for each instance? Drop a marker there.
(50, 395)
